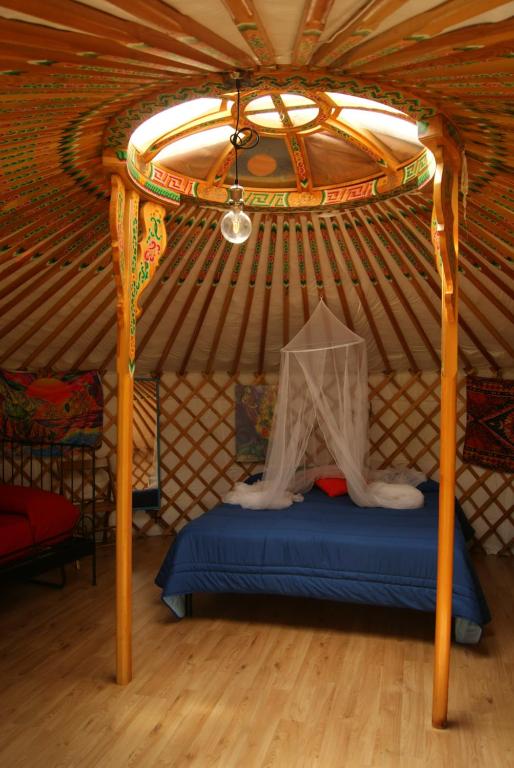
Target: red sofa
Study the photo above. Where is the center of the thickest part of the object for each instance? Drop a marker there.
(31, 519)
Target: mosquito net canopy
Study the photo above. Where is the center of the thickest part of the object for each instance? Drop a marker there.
(320, 425)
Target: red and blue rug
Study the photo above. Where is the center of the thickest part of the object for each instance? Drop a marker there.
(489, 440)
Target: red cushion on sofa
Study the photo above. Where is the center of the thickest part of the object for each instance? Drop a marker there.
(333, 486)
(15, 535)
(48, 514)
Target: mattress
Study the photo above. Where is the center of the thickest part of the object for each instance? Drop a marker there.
(325, 548)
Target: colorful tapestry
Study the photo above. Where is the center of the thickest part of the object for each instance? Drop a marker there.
(489, 440)
(62, 408)
(254, 414)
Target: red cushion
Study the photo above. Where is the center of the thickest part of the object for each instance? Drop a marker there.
(333, 486)
(15, 535)
(48, 514)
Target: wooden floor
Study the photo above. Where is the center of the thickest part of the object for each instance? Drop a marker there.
(247, 683)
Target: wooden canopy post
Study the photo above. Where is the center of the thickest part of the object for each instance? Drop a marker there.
(436, 137)
(135, 259)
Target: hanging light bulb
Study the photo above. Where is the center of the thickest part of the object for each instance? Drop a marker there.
(236, 225)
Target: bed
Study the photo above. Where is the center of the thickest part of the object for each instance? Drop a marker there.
(46, 509)
(325, 548)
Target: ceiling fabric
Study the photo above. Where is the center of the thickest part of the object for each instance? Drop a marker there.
(77, 77)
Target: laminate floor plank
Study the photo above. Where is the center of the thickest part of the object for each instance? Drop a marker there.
(247, 682)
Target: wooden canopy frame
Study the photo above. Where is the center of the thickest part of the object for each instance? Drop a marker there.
(138, 242)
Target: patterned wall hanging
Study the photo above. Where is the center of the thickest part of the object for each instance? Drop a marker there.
(489, 440)
(64, 407)
(254, 414)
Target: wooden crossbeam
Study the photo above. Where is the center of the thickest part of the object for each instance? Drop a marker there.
(404, 302)
(355, 235)
(218, 273)
(133, 35)
(251, 28)
(355, 278)
(51, 41)
(463, 324)
(452, 55)
(426, 24)
(185, 29)
(270, 264)
(250, 293)
(312, 24)
(361, 25)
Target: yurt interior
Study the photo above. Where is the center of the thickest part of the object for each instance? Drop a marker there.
(256, 383)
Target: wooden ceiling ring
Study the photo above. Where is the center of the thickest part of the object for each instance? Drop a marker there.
(130, 116)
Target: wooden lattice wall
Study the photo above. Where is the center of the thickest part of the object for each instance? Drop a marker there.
(198, 448)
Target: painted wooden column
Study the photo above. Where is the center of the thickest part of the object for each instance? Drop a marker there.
(138, 243)
(445, 223)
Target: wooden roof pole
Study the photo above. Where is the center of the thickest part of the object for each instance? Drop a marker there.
(134, 264)
(445, 220)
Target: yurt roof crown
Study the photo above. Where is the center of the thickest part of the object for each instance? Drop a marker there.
(313, 145)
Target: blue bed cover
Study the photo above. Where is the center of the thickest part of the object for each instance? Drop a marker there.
(322, 547)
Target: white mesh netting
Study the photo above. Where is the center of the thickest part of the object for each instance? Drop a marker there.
(320, 425)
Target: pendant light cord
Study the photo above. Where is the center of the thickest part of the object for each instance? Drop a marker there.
(245, 138)
(236, 148)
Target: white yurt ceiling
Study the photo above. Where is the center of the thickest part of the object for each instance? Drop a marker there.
(339, 198)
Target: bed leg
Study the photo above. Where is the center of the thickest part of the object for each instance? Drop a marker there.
(189, 605)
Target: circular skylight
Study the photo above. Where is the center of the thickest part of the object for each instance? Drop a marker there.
(316, 148)
(281, 112)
